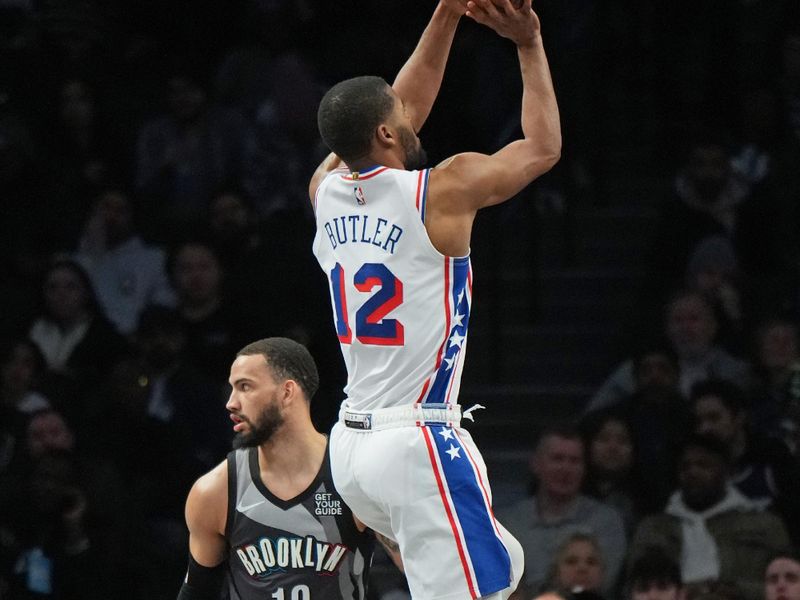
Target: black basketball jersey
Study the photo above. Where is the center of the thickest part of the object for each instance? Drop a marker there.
(306, 548)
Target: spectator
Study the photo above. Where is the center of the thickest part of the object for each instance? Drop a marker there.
(707, 522)
(76, 339)
(256, 256)
(82, 148)
(691, 328)
(214, 328)
(157, 459)
(47, 537)
(706, 198)
(612, 468)
(127, 273)
(654, 576)
(21, 365)
(659, 417)
(713, 271)
(776, 386)
(193, 149)
(578, 566)
(782, 577)
(69, 518)
(558, 509)
(762, 468)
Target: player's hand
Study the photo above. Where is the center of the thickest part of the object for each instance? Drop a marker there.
(520, 25)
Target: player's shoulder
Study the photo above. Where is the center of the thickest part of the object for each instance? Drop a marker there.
(207, 503)
(211, 485)
(454, 172)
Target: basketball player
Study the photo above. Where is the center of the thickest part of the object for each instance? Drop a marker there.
(269, 516)
(395, 242)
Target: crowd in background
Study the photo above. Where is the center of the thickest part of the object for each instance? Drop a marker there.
(154, 159)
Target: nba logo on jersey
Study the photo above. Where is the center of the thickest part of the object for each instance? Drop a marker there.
(360, 198)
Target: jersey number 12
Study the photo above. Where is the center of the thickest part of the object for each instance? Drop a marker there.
(370, 326)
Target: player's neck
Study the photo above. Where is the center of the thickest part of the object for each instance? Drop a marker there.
(385, 158)
(291, 457)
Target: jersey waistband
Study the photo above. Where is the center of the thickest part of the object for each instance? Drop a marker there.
(400, 416)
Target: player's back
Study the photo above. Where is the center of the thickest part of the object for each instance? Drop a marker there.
(400, 307)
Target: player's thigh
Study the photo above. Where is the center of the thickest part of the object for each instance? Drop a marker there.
(352, 476)
(451, 545)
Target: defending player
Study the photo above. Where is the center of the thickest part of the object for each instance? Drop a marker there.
(269, 515)
(395, 243)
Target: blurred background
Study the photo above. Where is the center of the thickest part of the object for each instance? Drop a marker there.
(154, 160)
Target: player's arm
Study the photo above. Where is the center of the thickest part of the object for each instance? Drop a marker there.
(392, 549)
(472, 181)
(330, 163)
(206, 513)
(420, 78)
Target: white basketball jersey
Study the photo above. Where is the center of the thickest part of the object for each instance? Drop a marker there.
(400, 307)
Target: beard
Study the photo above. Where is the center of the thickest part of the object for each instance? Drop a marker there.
(416, 157)
(261, 431)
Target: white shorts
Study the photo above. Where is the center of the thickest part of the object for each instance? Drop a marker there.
(416, 476)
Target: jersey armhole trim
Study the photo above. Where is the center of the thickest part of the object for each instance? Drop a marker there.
(231, 493)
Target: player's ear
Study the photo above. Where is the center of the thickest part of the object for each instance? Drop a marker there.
(291, 392)
(385, 135)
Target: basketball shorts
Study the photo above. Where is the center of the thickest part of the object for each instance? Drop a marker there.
(414, 475)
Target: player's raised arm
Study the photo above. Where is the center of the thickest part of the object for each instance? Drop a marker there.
(471, 181)
(206, 512)
(420, 78)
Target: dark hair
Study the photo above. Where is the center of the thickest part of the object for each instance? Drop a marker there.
(659, 346)
(592, 423)
(9, 346)
(728, 393)
(654, 566)
(62, 261)
(788, 553)
(350, 111)
(288, 360)
(201, 241)
(565, 431)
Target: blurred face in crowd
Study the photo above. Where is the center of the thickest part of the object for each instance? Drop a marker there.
(558, 464)
(657, 371)
(254, 403)
(229, 216)
(186, 99)
(20, 368)
(65, 295)
(691, 326)
(702, 476)
(611, 450)
(197, 274)
(777, 346)
(656, 590)
(47, 432)
(782, 580)
(579, 565)
(114, 209)
(713, 417)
